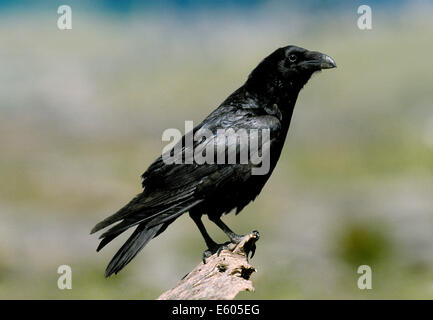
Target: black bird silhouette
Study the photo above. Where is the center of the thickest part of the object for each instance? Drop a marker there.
(265, 101)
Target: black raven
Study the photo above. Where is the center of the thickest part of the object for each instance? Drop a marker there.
(265, 101)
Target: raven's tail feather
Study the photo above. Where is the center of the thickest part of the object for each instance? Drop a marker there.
(132, 206)
(138, 239)
(151, 222)
(152, 217)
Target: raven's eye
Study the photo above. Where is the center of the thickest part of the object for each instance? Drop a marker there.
(292, 58)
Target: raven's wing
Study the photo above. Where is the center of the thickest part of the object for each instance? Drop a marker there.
(161, 176)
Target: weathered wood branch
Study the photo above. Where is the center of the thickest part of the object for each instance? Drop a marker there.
(222, 277)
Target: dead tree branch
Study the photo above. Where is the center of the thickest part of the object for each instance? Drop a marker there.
(221, 278)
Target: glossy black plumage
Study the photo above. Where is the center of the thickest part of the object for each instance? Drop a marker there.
(265, 101)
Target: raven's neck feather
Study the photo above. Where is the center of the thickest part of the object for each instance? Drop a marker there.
(271, 89)
(278, 96)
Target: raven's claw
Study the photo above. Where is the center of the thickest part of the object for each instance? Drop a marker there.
(224, 246)
(252, 250)
(251, 245)
(215, 249)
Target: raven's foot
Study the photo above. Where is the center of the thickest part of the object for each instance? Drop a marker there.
(250, 243)
(248, 247)
(236, 238)
(217, 248)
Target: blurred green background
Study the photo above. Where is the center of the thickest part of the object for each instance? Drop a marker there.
(82, 112)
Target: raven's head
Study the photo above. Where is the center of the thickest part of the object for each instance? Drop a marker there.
(296, 59)
(288, 68)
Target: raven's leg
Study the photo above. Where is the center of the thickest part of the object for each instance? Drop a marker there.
(234, 237)
(209, 242)
(212, 246)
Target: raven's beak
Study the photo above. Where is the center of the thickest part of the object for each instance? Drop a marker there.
(317, 61)
(327, 62)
